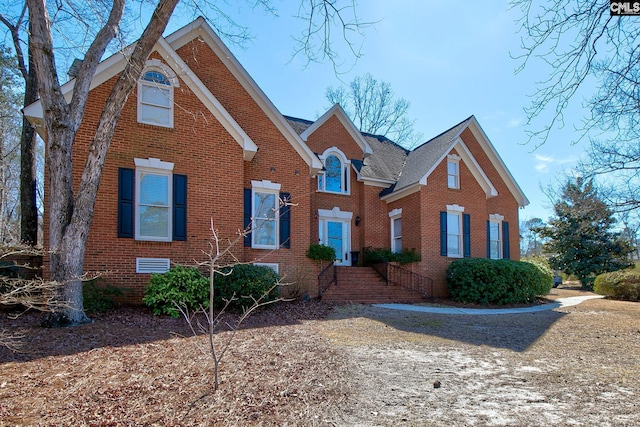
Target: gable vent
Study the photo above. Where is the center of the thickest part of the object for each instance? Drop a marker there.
(152, 265)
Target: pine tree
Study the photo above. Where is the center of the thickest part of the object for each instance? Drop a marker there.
(580, 236)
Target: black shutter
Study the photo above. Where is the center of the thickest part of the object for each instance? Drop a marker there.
(247, 216)
(443, 233)
(126, 203)
(179, 207)
(505, 240)
(285, 221)
(466, 234)
(489, 239)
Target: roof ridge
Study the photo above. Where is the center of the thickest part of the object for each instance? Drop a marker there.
(442, 133)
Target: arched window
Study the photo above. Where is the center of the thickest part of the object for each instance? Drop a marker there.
(335, 177)
(155, 96)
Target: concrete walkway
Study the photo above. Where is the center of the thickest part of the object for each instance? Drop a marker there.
(558, 303)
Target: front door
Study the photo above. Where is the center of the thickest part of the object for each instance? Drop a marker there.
(335, 233)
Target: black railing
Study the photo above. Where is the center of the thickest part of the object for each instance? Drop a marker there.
(410, 280)
(326, 278)
(394, 274)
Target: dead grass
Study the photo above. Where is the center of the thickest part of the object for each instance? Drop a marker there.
(309, 364)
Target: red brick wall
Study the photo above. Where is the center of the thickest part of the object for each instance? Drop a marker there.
(202, 149)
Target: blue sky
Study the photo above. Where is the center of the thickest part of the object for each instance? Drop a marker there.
(449, 62)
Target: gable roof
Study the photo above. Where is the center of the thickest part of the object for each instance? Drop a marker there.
(423, 160)
(339, 113)
(166, 47)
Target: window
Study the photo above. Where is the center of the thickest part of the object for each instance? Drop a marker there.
(152, 202)
(495, 241)
(455, 232)
(453, 172)
(154, 191)
(155, 94)
(265, 205)
(335, 177)
(396, 230)
(497, 237)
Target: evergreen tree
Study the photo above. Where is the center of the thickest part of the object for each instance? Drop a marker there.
(580, 237)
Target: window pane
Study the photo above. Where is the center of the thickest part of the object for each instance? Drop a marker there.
(154, 221)
(264, 232)
(333, 174)
(397, 227)
(495, 250)
(453, 244)
(452, 181)
(494, 231)
(155, 115)
(264, 205)
(334, 238)
(453, 224)
(154, 189)
(452, 168)
(156, 96)
(156, 77)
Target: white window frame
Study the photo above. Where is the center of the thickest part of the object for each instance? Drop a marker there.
(157, 66)
(395, 215)
(154, 167)
(452, 159)
(265, 187)
(455, 211)
(345, 172)
(497, 220)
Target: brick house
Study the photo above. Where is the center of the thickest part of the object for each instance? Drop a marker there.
(199, 142)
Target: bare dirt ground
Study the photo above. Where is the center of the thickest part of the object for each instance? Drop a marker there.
(307, 364)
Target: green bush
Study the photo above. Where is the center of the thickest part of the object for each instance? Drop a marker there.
(545, 281)
(98, 297)
(244, 282)
(321, 253)
(377, 255)
(179, 285)
(623, 285)
(500, 282)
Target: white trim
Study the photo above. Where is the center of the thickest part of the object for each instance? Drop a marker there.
(142, 103)
(496, 217)
(155, 63)
(272, 265)
(453, 160)
(152, 265)
(334, 213)
(266, 185)
(406, 191)
(153, 163)
(395, 212)
(345, 171)
(455, 208)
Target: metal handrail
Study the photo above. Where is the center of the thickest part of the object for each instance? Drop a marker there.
(326, 277)
(410, 280)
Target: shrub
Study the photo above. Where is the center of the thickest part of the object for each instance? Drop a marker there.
(245, 282)
(623, 285)
(544, 283)
(179, 285)
(377, 255)
(321, 253)
(99, 297)
(485, 281)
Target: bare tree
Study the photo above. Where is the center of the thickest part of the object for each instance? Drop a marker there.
(372, 107)
(581, 43)
(70, 214)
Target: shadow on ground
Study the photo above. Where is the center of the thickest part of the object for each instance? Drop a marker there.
(510, 331)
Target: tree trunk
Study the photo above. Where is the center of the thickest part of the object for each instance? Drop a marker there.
(28, 206)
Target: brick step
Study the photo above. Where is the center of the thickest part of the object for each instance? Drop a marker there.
(364, 285)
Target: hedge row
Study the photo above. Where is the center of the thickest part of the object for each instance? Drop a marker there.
(623, 285)
(500, 282)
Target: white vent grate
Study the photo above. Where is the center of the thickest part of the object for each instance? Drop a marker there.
(152, 265)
